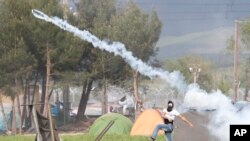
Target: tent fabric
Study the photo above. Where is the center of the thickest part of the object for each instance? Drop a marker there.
(146, 122)
(122, 124)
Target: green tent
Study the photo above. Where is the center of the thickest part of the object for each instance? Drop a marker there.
(121, 124)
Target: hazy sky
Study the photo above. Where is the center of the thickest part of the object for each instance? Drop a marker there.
(195, 26)
(186, 16)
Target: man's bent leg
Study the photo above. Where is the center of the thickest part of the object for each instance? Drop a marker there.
(157, 128)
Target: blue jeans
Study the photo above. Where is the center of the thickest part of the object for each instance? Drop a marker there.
(168, 128)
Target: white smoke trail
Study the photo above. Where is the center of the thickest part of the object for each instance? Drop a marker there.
(175, 79)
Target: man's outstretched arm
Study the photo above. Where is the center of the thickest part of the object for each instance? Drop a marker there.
(186, 120)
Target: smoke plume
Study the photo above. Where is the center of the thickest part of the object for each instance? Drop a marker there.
(175, 79)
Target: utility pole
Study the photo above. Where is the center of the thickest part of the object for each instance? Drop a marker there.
(235, 60)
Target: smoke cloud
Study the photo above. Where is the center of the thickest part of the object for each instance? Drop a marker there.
(219, 109)
(225, 113)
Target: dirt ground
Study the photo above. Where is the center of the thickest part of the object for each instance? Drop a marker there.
(77, 127)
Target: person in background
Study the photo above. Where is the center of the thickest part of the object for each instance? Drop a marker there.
(126, 102)
(169, 115)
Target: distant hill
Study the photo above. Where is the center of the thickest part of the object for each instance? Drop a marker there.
(210, 42)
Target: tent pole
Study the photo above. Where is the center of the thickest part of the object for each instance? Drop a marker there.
(99, 137)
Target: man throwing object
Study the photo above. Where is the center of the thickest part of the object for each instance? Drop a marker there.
(169, 115)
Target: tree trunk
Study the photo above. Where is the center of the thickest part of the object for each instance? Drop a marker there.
(24, 115)
(246, 93)
(13, 121)
(17, 94)
(104, 90)
(104, 98)
(84, 99)
(18, 108)
(136, 94)
(3, 114)
(46, 101)
(19, 113)
(66, 104)
(43, 92)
